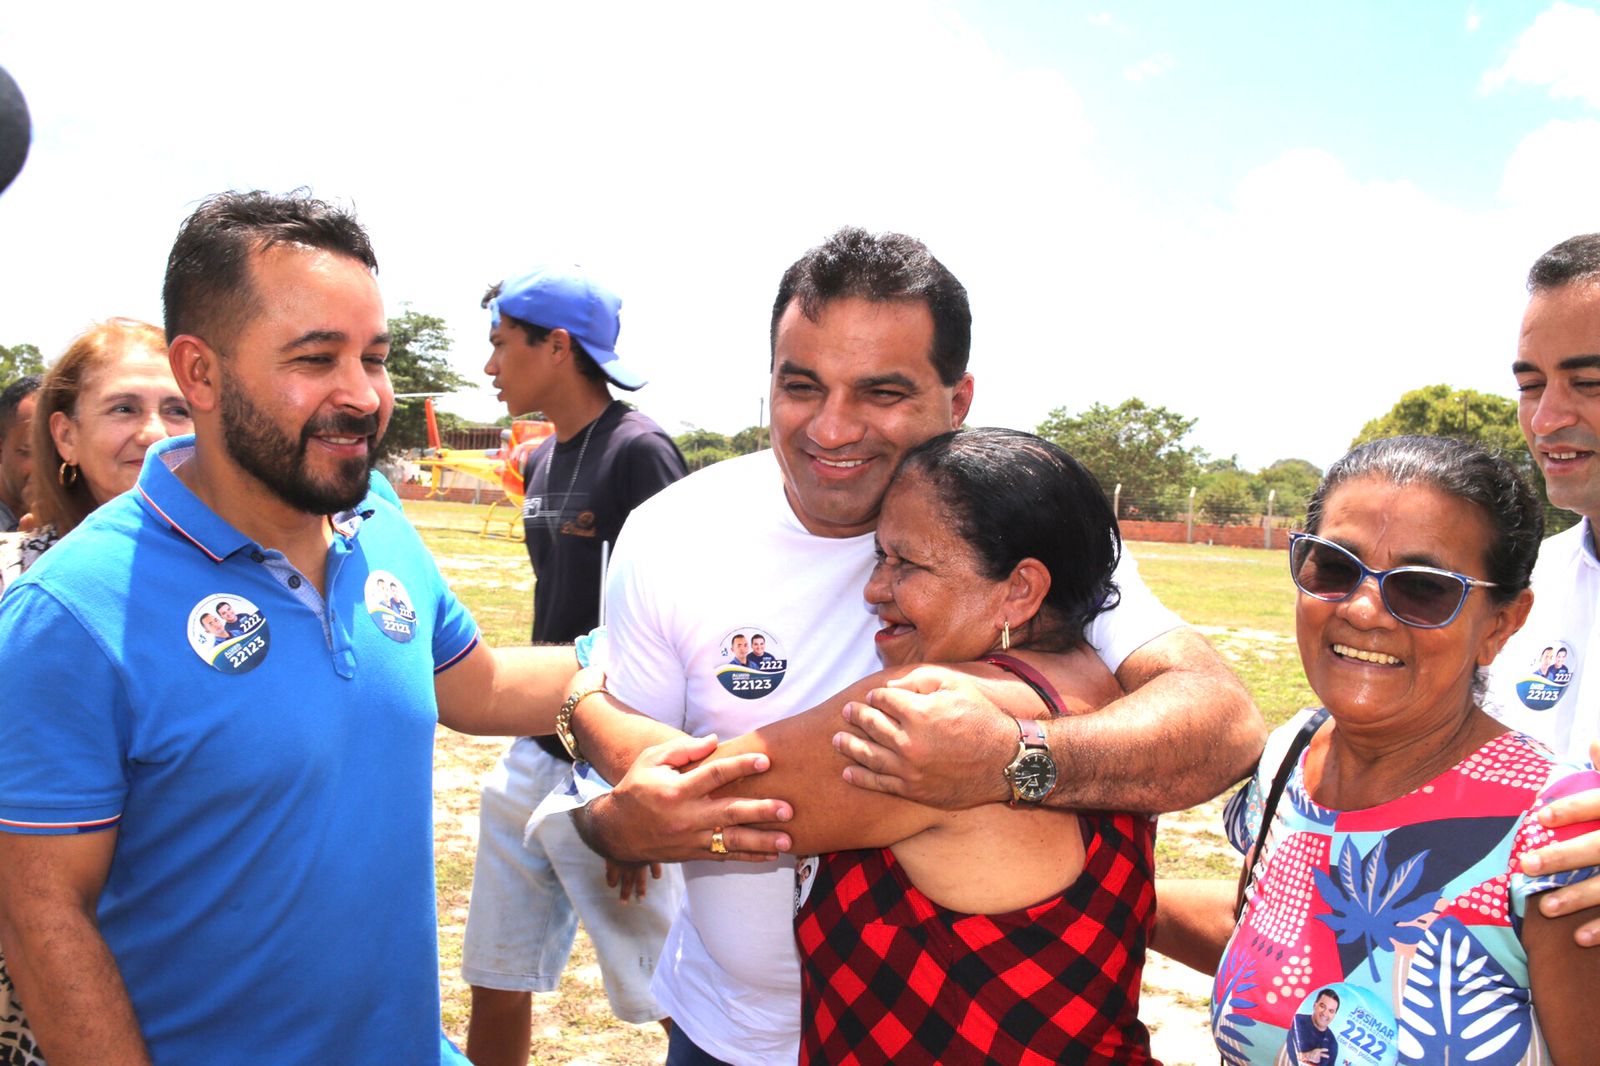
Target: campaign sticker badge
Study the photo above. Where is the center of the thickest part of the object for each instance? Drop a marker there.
(229, 633)
(753, 662)
(389, 604)
(1548, 677)
(1343, 1023)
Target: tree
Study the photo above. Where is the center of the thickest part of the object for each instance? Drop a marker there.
(1488, 419)
(1294, 480)
(18, 361)
(419, 361)
(1228, 496)
(750, 439)
(1136, 445)
(702, 447)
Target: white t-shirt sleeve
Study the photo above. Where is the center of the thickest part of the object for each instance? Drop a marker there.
(1137, 619)
(643, 668)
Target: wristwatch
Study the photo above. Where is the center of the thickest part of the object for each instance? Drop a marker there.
(564, 720)
(1032, 774)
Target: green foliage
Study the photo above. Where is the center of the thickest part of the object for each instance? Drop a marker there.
(18, 361)
(1294, 480)
(750, 439)
(1471, 415)
(702, 447)
(419, 361)
(1228, 497)
(1135, 445)
(1442, 411)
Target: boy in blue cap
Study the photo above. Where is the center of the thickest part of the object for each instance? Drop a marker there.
(554, 333)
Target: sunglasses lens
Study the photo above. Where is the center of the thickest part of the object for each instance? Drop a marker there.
(1323, 571)
(1422, 599)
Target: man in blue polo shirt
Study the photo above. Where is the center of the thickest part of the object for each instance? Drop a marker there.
(223, 853)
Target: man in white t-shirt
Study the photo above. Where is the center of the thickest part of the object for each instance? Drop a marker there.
(1545, 680)
(870, 337)
(1542, 682)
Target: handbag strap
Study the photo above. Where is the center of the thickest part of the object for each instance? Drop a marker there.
(1270, 806)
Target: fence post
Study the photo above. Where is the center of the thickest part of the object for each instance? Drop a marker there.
(1116, 502)
(1189, 531)
(1271, 496)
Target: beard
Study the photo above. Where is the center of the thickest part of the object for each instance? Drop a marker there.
(278, 461)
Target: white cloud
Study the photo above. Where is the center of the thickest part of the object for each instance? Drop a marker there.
(1103, 19)
(1474, 20)
(1152, 67)
(1558, 51)
(694, 157)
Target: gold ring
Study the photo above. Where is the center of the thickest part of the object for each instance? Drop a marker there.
(718, 847)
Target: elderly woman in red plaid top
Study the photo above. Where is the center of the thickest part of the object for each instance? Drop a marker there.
(1004, 933)
(1008, 933)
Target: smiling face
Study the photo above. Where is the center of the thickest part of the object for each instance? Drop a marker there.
(1367, 666)
(1323, 1011)
(851, 393)
(928, 588)
(124, 406)
(305, 396)
(1558, 384)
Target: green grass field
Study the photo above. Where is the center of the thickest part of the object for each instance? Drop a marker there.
(1239, 598)
(1242, 600)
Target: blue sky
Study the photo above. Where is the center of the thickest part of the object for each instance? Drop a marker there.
(1272, 218)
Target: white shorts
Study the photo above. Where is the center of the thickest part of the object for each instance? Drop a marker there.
(527, 900)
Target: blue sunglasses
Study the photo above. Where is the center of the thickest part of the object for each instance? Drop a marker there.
(1419, 596)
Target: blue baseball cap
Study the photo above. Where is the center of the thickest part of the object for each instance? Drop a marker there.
(566, 297)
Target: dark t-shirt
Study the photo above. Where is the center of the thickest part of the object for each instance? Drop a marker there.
(627, 459)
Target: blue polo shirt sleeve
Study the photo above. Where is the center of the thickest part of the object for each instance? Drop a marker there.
(455, 633)
(63, 723)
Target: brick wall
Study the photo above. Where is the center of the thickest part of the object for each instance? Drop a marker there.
(1177, 533)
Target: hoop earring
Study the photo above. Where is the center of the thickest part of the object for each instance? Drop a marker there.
(1005, 636)
(66, 481)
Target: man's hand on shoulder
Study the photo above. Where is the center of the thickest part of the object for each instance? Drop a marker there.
(1572, 854)
(932, 736)
(662, 812)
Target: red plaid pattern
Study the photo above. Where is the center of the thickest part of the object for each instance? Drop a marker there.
(891, 977)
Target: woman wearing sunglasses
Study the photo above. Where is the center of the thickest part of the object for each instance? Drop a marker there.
(1384, 915)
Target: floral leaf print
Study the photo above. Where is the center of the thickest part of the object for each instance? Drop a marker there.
(1229, 1004)
(1307, 808)
(1459, 1005)
(1367, 903)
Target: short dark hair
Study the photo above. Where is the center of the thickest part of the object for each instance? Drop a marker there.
(1574, 259)
(536, 334)
(207, 291)
(1011, 496)
(12, 395)
(1330, 993)
(883, 267)
(1466, 471)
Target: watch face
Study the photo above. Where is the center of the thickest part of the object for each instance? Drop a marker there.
(1034, 776)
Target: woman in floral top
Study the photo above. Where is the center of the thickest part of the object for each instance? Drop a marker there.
(1386, 919)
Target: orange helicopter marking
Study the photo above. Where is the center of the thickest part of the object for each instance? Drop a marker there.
(501, 467)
